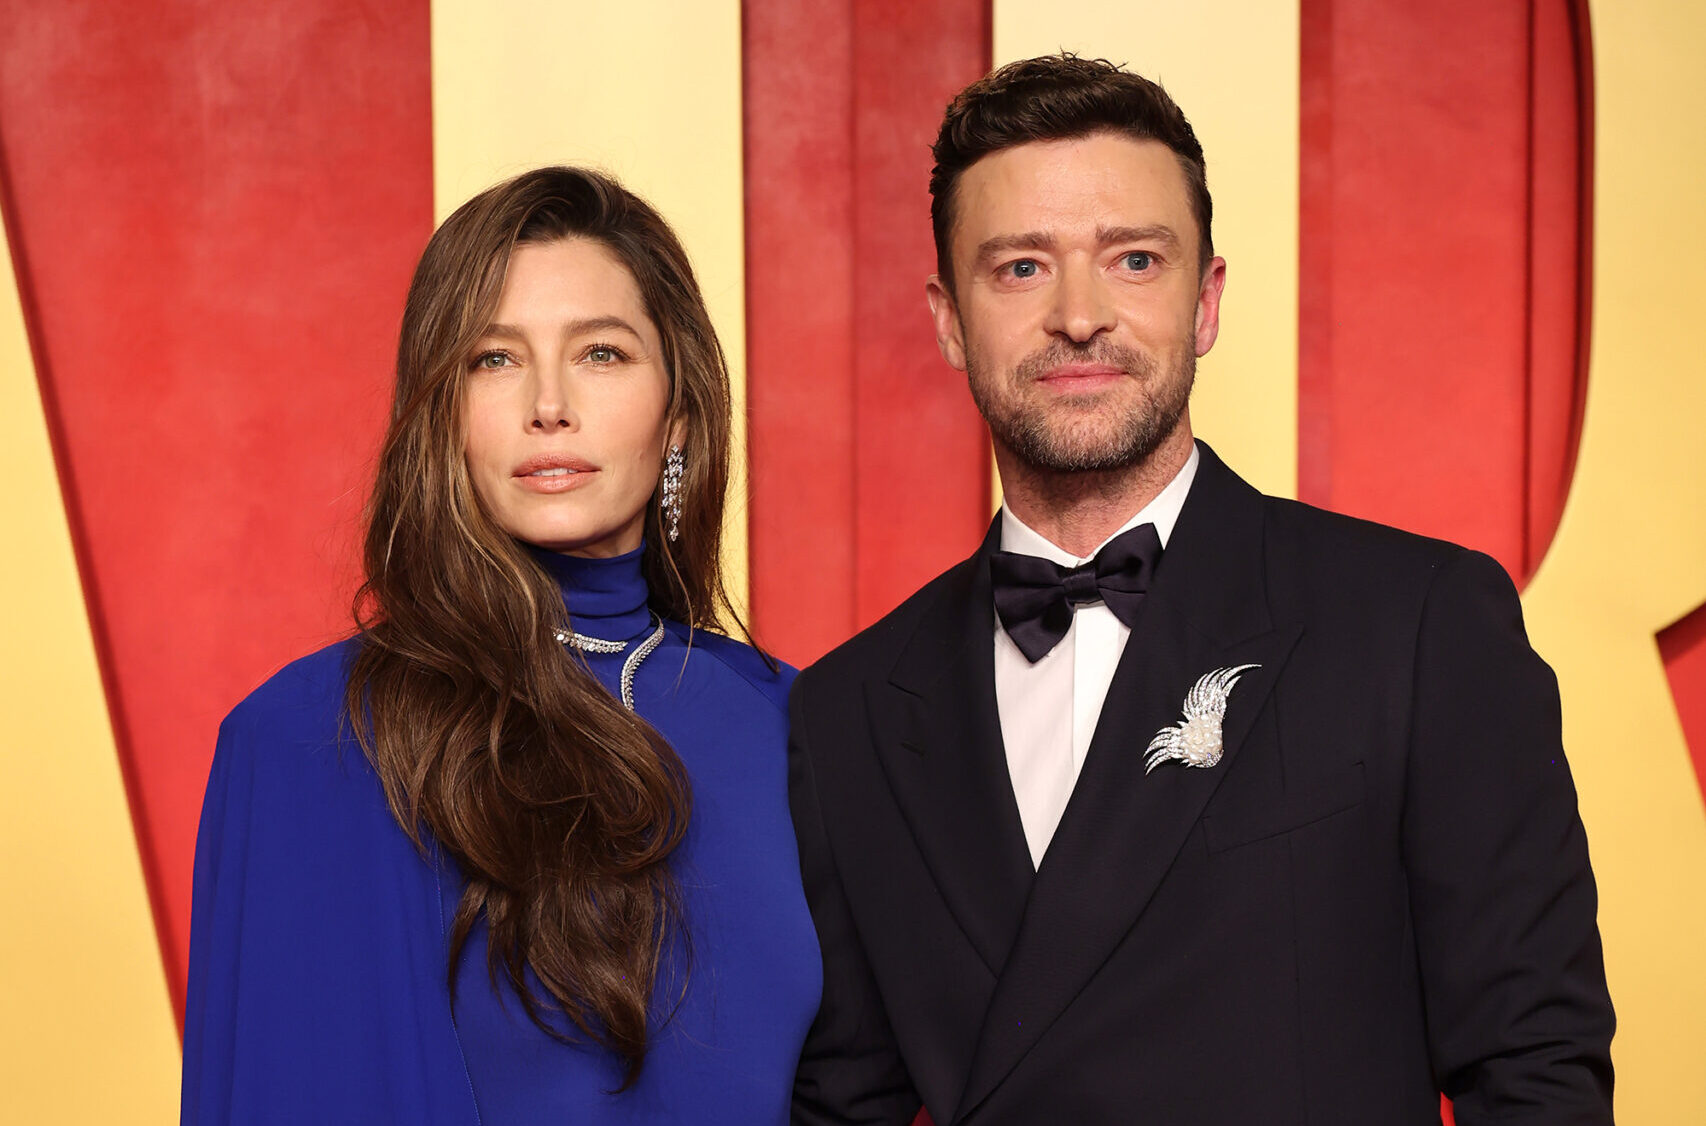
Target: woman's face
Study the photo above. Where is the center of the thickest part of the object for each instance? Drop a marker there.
(565, 402)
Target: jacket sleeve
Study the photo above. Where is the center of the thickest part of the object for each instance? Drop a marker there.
(1501, 892)
(851, 1071)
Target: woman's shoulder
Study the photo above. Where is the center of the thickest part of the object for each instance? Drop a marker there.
(765, 674)
(306, 684)
(295, 716)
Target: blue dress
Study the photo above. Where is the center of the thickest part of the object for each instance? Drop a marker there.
(318, 984)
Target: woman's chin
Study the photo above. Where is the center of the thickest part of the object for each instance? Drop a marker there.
(590, 543)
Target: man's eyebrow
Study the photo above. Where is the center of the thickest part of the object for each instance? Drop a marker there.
(1030, 240)
(1155, 232)
(573, 328)
(1105, 236)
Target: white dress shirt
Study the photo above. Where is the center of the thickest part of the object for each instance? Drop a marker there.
(1049, 709)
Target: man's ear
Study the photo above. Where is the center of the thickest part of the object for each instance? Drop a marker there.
(950, 337)
(1208, 304)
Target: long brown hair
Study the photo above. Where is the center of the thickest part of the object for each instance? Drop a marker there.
(561, 807)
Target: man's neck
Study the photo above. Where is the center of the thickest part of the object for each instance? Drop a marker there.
(1077, 512)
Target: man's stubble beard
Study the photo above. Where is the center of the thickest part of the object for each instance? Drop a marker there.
(1086, 442)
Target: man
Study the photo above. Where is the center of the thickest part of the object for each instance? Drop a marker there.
(1175, 802)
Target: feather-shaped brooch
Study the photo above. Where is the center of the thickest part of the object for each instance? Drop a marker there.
(1195, 740)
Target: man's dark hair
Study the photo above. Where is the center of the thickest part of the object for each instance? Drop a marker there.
(1056, 98)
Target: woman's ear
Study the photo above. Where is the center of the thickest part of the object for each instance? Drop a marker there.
(678, 433)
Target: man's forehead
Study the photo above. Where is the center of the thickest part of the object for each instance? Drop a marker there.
(1101, 181)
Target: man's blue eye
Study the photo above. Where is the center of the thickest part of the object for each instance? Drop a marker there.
(1138, 260)
(1024, 268)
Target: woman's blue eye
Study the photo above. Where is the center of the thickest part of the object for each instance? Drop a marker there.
(1024, 268)
(1138, 260)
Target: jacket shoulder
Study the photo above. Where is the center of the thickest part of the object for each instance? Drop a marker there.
(874, 650)
(1339, 551)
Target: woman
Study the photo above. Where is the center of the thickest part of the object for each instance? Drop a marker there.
(519, 851)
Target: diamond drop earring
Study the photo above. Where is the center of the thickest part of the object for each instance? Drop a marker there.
(671, 499)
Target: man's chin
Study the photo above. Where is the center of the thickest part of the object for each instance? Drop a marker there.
(1083, 450)
(1078, 458)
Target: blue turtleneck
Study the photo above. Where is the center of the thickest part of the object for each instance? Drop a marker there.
(606, 597)
(318, 954)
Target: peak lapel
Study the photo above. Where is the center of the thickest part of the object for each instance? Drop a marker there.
(939, 743)
(1122, 827)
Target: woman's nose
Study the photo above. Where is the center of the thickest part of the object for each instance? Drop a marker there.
(551, 410)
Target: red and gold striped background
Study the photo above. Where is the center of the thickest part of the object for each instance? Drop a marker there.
(1465, 260)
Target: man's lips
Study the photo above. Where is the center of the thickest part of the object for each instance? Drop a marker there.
(1073, 377)
(554, 473)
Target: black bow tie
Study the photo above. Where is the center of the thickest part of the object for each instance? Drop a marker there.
(1035, 598)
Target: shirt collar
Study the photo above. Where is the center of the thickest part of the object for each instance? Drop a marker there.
(1163, 512)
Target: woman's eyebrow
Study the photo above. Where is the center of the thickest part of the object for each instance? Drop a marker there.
(572, 328)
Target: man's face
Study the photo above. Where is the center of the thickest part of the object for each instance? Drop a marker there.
(1080, 307)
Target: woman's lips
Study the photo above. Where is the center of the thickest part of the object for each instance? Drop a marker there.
(554, 474)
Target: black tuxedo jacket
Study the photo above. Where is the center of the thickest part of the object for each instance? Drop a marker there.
(1381, 892)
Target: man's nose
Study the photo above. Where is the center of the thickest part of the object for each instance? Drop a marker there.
(1082, 307)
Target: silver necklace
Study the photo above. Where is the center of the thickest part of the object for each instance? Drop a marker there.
(585, 644)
